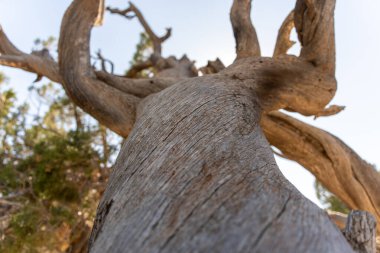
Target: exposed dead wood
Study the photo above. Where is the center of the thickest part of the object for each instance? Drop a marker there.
(286, 83)
(314, 23)
(170, 67)
(138, 67)
(247, 44)
(40, 63)
(329, 111)
(196, 173)
(333, 163)
(141, 87)
(204, 180)
(78, 76)
(283, 43)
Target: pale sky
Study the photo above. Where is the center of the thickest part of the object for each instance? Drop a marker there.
(201, 29)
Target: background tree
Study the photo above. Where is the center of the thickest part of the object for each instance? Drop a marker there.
(55, 162)
(53, 167)
(196, 154)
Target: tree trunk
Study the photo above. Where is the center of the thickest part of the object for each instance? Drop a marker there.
(196, 174)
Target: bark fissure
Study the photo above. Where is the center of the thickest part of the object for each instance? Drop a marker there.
(167, 241)
(236, 191)
(174, 128)
(200, 173)
(191, 113)
(270, 223)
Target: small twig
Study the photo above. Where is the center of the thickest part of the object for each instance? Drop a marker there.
(123, 13)
(103, 62)
(329, 111)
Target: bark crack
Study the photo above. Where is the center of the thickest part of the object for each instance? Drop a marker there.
(203, 203)
(184, 188)
(262, 233)
(196, 109)
(167, 241)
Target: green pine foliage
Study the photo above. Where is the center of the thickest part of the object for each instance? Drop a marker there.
(54, 162)
(144, 50)
(329, 200)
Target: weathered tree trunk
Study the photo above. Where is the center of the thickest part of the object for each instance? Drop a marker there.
(197, 175)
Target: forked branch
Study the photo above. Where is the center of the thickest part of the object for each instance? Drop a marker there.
(165, 67)
(110, 99)
(247, 43)
(156, 40)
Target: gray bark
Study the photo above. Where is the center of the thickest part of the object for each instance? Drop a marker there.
(360, 231)
(197, 175)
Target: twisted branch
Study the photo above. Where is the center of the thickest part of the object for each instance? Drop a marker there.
(331, 161)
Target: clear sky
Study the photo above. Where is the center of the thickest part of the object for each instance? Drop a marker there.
(201, 29)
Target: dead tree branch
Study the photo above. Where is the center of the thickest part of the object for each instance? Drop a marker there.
(314, 22)
(166, 67)
(104, 61)
(43, 64)
(283, 43)
(40, 63)
(156, 40)
(331, 161)
(140, 87)
(88, 89)
(247, 43)
(112, 108)
(329, 111)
